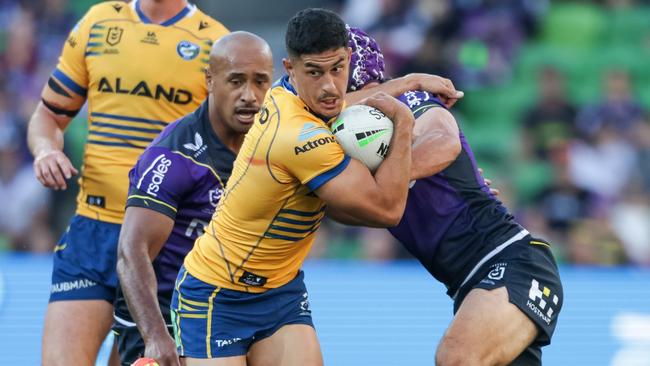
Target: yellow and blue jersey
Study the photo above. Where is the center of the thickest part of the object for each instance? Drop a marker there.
(266, 220)
(137, 77)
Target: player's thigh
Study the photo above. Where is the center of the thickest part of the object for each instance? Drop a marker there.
(221, 361)
(487, 330)
(291, 345)
(74, 331)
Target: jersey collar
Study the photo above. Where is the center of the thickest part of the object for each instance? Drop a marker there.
(203, 115)
(187, 10)
(284, 82)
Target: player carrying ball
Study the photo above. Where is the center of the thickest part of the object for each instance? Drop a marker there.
(241, 298)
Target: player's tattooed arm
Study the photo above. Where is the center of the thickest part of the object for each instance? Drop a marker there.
(45, 140)
(433, 84)
(57, 88)
(45, 134)
(60, 100)
(436, 142)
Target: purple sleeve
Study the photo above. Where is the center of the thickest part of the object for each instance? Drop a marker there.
(159, 180)
(420, 101)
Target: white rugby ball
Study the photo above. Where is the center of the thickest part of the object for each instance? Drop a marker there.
(364, 133)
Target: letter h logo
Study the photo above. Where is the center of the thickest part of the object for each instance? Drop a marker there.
(536, 293)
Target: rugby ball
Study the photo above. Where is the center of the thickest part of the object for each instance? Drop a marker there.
(364, 133)
(145, 361)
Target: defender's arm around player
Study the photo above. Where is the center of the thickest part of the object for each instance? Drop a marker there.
(238, 76)
(417, 81)
(436, 143)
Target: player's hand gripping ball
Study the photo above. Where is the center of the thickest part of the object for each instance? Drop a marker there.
(364, 133)
(145, 361)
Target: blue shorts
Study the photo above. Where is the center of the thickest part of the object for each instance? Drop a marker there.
(211, 322)
(85, 261)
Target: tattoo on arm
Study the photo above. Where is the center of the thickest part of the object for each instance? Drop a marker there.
(60, 111)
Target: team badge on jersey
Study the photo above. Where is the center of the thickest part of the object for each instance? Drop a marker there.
(304, 305)
(114, 35)
(187, 50)
(497, 272)
(215, 196)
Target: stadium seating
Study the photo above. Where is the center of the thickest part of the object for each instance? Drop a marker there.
(578, 25)
(582, 40)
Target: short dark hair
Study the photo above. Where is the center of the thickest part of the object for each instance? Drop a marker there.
(315, 30)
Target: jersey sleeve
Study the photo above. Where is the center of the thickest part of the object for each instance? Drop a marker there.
(71, 70)
(313, 155)
(158, 181)
(420, 101)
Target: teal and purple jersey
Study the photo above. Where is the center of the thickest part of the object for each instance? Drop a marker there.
(182, 175)
(451, 219)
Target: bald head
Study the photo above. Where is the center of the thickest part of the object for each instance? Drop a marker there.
(240, 72)
(236, 46)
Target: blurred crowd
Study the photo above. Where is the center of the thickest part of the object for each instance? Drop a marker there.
(31, 36)
(576, 164)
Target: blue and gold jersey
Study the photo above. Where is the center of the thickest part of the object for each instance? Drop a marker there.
(137, 77)
(266, 221)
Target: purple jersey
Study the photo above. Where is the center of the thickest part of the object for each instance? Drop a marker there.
(182, 175)
(451, 219)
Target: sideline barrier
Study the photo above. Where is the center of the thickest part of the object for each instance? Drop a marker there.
(388, 314)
